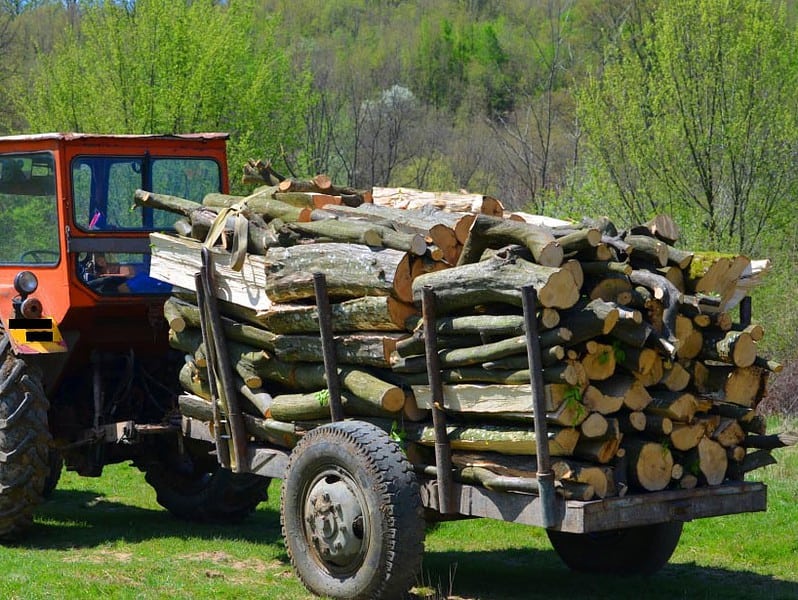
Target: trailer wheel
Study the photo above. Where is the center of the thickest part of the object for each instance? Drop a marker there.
(640, 550)
(351, 513)
(24, 444)
(202, 491)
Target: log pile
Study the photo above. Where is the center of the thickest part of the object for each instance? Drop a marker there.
(650, 381)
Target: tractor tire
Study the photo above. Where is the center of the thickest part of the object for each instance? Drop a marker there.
(351, 513)
(56, 465)
(640, 550)
(205, 494)
(24, 444)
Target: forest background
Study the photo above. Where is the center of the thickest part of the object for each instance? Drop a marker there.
(569, 108)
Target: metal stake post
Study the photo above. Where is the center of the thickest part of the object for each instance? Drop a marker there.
(443, 450)
(545, 475)
(328, 346)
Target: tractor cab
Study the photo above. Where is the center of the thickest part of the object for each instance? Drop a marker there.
(74, 254)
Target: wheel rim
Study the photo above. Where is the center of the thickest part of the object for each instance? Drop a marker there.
(336, 523)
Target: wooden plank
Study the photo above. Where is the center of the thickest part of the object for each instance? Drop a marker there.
(175, 260)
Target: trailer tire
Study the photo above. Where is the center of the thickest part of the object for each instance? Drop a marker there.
(203, 493)
(351, 513)
(24, 443)
(642, 550)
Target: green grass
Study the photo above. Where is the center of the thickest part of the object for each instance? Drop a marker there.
(108, 538)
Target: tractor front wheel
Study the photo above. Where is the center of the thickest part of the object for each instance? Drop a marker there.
(24, 443)
(194, 488)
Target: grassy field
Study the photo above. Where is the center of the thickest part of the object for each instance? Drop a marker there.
(108, 538)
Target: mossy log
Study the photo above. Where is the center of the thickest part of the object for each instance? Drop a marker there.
(359, 232)
(367, 313)
(497, 399)
(596, 318)
(316, 405)
(173, 204)
(267, 430)
(648, 249)
(491, 232)
(180, 314)
(310, 377)
(470, 375)
(498, 279)
(495, 438)
(368, 349)
(352, 270)
(261, 203)
(490, 325)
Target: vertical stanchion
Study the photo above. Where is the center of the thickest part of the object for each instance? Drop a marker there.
(545, 476)
(328, 346)
(223, 370)
(219, 427)
(745, 311)
(443, 450)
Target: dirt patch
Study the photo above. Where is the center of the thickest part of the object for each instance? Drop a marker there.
(99, 557)
(227, 560)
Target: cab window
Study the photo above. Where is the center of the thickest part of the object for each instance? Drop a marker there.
(102, 200)
(28, 206)
(103, 188)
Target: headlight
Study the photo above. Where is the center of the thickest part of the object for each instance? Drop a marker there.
(25, 283)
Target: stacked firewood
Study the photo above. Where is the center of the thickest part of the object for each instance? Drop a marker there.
(650, 383)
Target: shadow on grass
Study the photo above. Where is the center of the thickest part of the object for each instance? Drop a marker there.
(84, 519)
(531, 574)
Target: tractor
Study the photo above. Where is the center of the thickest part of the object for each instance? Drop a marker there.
(87, 377)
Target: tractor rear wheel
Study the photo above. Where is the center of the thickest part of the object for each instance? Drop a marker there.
(24, 443)
(200, 490)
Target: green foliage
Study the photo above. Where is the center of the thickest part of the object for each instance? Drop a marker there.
(694, 115)
(166, 67)
(323, 397)
(457, 62)
(398, 434)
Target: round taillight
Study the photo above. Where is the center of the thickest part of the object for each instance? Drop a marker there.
(25, 283)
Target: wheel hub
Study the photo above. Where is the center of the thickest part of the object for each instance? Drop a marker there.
(334, 520)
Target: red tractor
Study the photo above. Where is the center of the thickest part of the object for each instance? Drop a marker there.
(86, 375)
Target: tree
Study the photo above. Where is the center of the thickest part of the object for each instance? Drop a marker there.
(540, 137)
(694, 114)
(156, 66)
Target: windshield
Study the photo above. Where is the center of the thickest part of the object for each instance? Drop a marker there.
(28, 207)
(103, 188)
(102, 193)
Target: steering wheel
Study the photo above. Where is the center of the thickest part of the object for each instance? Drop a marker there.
(107, 284)
(39, 256)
